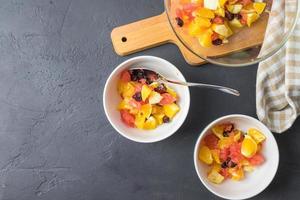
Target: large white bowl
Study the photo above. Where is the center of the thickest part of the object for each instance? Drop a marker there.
(254, 182)
(111, 99)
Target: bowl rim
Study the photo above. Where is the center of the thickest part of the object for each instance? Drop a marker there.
(112, 74)
(276, 150)
(258, 60)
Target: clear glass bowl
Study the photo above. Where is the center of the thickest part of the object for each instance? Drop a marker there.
(251, 51)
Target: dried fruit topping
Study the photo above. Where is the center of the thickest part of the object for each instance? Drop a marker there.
(137, 96)
(179, 21)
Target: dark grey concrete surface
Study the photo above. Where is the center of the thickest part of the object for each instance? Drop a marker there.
(55, 141)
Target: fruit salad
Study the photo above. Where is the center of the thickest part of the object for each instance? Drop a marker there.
(212, 22)
(230, 152)
(146, 103)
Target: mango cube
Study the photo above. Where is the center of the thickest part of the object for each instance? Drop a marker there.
(251, 17)
(206, 13)
(205, 39)
(222, 29)
(154, 97)
(150, 123)
(171, 110)
(146, 90)
(205, 155)
(259, 7)
(215, 177)
(235, 9)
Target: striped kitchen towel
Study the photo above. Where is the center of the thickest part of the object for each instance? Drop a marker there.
(278, 78)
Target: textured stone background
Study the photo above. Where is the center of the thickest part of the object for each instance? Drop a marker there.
(55, 141)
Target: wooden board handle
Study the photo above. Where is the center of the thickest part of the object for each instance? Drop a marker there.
(148, 33)
(141, 35)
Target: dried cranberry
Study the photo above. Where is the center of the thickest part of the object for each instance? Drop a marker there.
(217, 42)
(239, 16)
(225, 134)
(137, 96)
(150, 76)
(232, 164)
(224, 165)
(228, 129)
(137, 74)
(140, 74)
(166, 119)
(179, 21)
(133, 77)
(161, 88)
(229, 15)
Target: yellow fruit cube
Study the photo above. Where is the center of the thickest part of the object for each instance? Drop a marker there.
(121, 86)
(171, 91)
(215, 177)
(235, 9)
(195, 29)
(146, 110)
(237, 174)
(170, 110)
(249, 147)
(218, 131)
(205, 155)
(124, 105)
(159, 118)
(222, 3)
(216, 167)
(220, 12)
(139, 120)
(150, 123)
(222, 29)
(203, 22)
(206, 13)
(154, 84)
(259, 7)
(157, 109)
(249, 168)
(235, 23)
(146, 90)
(245, 162)
(256, 135)
(225, 142)
(205, 39)
(215, 154)
(128, 90)
(251, 17)
(237, 136)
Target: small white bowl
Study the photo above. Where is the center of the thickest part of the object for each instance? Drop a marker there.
(111, 99)
(254, 182)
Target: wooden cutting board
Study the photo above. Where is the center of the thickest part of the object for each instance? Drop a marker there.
(155, 31)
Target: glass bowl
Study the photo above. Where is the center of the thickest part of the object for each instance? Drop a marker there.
(245, 47)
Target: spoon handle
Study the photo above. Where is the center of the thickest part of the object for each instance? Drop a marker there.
(216, 87)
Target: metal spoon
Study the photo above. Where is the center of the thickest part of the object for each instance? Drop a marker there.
(161, 78)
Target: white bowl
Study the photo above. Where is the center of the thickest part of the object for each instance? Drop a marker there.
(111, 99)
(254, 182)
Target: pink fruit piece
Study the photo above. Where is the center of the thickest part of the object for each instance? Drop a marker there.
(167, 99)
(125, 76)
(127, 118)
(257, 159)
(211, 141)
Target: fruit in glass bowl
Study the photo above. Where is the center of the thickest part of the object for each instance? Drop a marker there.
(212, 22)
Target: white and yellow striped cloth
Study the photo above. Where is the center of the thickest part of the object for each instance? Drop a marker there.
(278, 78)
